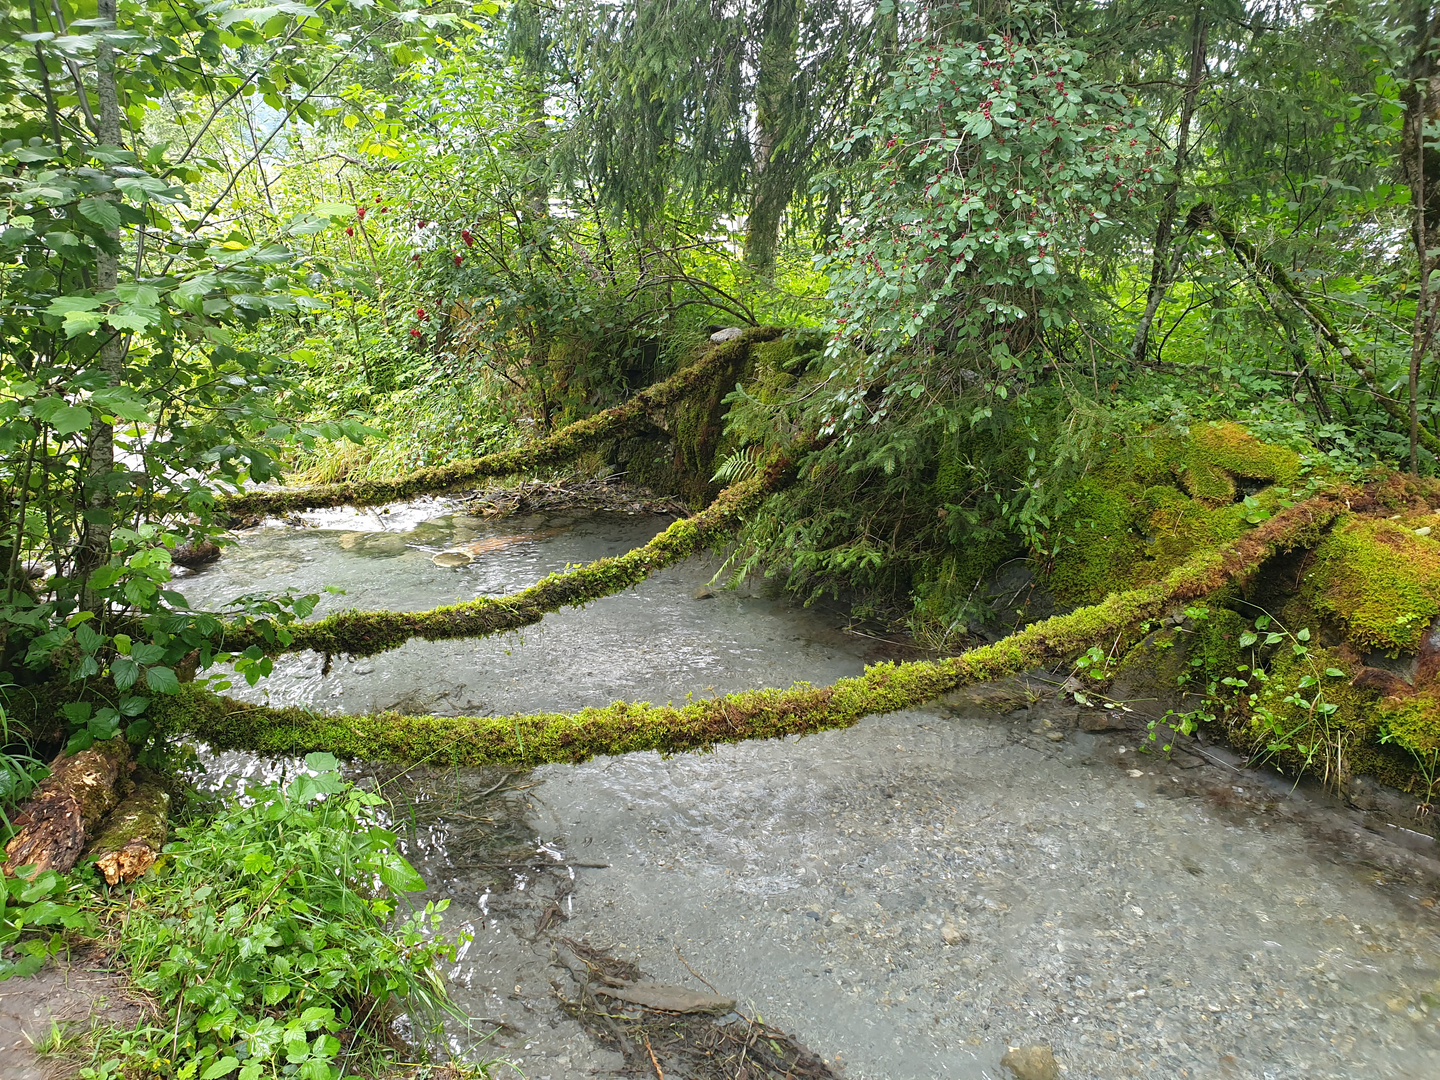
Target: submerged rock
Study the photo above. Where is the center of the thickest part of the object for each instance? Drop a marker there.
(1031, 1063)
(452, 558)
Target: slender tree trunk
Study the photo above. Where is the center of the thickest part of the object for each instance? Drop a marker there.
(1165, 264)
(775, 120)
(1421, 162)
(94, 550)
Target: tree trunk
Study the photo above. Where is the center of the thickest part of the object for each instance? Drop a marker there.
(1164, 264)
(1421, 97)
(133, 834)
(775, 116)
(56, 824)
(99, 514)
(721, 365)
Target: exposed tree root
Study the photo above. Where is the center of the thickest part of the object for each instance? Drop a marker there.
(366, 633)
(757, 714)
(720, 362)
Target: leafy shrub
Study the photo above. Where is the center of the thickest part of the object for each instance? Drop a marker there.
(272, 936)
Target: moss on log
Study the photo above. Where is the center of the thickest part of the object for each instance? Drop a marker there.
(56, 824)
(367, 633)
(717, 363)
(132, 836)
(757, 714)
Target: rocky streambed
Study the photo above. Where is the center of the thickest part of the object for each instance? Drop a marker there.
(909, 897)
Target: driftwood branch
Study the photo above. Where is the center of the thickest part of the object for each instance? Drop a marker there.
(367, 633)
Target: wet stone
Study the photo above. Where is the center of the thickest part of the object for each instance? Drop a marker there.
(1031, 1063)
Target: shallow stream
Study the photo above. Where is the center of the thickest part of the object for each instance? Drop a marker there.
(907, 897)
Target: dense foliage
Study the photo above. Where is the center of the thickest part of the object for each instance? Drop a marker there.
(1082, 288)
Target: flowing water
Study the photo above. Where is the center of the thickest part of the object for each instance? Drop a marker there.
(907, 897)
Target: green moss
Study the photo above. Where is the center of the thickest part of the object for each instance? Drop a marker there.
(1412, 724)
(1101, 549)
(709, 379)
(1218, 453)
(1217, 645)
(1284, 722)
(626, 727)
(1380, 579)
(1131, 523)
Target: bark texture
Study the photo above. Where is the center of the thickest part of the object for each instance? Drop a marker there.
(56, 824)
(133, 834)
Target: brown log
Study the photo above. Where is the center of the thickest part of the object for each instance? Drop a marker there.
(132, 836)
(56, 824)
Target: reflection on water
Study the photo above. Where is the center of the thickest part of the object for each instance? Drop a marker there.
(909, 897)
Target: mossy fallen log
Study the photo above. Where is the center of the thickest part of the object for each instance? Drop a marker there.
(756, 714)
(56, 823)
(368, 633)
(719, 362)
(131, 837)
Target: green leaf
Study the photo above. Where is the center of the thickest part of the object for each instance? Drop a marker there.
(69, 420)
(162, 680)
(101, 211)
(399, 876)
(224, 1067)
(322, 762)
(82, 322)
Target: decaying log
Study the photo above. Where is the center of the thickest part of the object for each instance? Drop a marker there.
(56, 824)
(132, 836)
(368, 633)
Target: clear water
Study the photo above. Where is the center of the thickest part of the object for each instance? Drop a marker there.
(1139, 919)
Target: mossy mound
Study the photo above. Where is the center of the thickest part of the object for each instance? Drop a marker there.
(1219, 453)
(1380, 579)
(1413, 724)
(1145, 513)
(1303, 714)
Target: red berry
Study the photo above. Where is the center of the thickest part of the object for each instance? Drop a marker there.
(414, 333)
(349, 230)
(360, 212)
(458, 260)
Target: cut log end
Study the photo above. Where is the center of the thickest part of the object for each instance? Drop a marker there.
(133, 835)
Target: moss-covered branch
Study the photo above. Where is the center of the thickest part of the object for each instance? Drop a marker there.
(715, 364)
(367, 633)
(755, 714)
